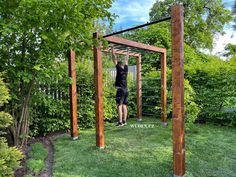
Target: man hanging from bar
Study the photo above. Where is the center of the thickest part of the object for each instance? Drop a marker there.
(121, 85)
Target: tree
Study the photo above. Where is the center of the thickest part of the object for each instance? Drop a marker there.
(203, 19)
(36, 35)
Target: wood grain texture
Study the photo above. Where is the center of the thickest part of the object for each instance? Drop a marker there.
(73, 95)
(177, 27)
(129, 43)
(97, 51)
(139, 87)
(163, 87)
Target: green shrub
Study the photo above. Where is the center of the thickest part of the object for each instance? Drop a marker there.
(9, 156)
(50, 114)
(109, 90)
(86, 91)
(214, 83)
(191, 108)
(50, 103)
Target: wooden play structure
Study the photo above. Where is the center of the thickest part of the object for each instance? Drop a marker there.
(177, 29)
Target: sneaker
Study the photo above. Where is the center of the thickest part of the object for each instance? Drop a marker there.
(124, 122)
(119, 124)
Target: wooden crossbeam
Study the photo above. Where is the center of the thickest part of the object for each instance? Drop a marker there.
(129, 43)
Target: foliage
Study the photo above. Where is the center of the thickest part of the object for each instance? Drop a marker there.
(9, 159)
(37, 156)
(110, 110)
(230, 50)
(203, 19)
(151, 93)
(191, 108)
(9, 156)
(151, 87)
(86, 91)
(51, 110)
(214, 84)
(36, 34)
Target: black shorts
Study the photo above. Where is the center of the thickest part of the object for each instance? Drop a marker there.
(122, 96)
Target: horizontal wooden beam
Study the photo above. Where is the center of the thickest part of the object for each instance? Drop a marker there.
(129, 43)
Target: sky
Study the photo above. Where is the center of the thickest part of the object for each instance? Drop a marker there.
(135, 12)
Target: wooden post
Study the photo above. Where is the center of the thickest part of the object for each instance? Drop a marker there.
(97, 52)
(177, 28)
(73, 96)
(163, 89)
(139, 88)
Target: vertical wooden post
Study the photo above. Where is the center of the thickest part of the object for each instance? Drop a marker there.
(73, 96)
(163, 88)
(177, 28)
(139, 88)
(97, 52)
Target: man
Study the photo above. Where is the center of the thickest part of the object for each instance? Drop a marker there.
(121, 85)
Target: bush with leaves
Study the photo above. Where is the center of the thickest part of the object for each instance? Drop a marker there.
(86, 90)
(9, 156)
(51, 106)
(50, 102)
(152, 88)
(214, 83)
(191, 108)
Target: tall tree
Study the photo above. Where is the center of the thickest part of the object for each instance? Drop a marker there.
(34, 36)
(203, 19)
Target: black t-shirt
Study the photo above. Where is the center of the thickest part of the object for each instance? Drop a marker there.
(121, 76)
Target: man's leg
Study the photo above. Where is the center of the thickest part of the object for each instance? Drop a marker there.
(119, 108)
(125, 102)
(125, 112)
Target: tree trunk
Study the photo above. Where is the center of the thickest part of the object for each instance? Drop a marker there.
(20, 128)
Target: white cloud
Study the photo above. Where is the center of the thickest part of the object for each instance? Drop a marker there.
(136, 11)
(221, 41)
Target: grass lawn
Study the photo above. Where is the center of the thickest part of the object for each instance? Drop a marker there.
(146, 152)
(37, 155)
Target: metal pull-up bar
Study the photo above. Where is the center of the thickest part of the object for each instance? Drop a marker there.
(139, 26)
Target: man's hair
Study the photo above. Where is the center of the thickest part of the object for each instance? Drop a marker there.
(120, 62)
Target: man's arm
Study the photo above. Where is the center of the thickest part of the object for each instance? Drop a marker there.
(114, 58)
(127, 57)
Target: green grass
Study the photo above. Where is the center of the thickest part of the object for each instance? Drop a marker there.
(37, 155)
(146, 152)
